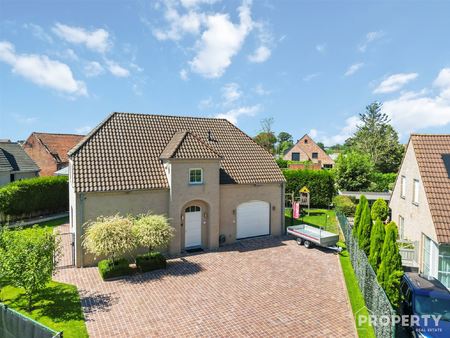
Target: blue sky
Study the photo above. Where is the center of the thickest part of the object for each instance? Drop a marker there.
(311, 65)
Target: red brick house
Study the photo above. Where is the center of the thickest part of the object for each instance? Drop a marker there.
(49, 151)
(307, 150)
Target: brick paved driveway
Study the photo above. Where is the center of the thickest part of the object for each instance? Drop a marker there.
(267, 287)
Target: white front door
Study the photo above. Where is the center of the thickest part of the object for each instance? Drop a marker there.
(193, 227)
(253, 219)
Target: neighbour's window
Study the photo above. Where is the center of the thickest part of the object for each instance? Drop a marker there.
(295, 156)
(403, 187)
(416, 192)
(306, 141)
(315, 155)
(401, 225)
(195, 176)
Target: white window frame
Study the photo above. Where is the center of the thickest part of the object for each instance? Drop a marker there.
(444, 274)
(201, 173)
(401, 226)
(403, 186)
(416, 188)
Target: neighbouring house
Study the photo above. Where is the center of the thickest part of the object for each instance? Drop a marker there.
(371, 196)
(420, 203)
(15, 164)
(49, 151)
(307, 150)
(213, 181)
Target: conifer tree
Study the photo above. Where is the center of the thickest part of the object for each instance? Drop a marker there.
(376, 244)
(390, 270)
(358, 213)
(364, 229)
(380, 210)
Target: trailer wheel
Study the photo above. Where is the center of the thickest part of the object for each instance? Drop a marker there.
(299, 241)
(307, 244)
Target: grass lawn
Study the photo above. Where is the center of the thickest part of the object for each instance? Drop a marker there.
(58, 307)
(52, 224)
(317, 217)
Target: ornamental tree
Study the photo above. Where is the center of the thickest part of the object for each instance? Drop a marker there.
(364, 229)
(28, 259)
(110, 236)
(390, 270)
(380, 210)
(153, 231)
(358, 212)
(376, 244)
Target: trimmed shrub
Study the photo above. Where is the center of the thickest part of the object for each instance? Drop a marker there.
(376, 244)
(152, 231)
(365, 229)
(382, 182)
(110, 269)
(151, 261)
(35, 196)
(345, 205)
(319, 182)
(380, 210)
(282, 163)
(358, 212)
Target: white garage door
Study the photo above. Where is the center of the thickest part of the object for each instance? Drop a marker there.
(253, 219)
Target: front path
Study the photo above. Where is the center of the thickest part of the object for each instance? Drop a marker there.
(261, 287)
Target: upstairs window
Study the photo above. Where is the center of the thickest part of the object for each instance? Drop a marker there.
(403, 187)
(416, 192)
(195, 176)
(315, 155)
(401, 225)
(295, 156)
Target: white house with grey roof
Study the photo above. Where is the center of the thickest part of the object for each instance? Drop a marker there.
(15, 164)
(213, 181)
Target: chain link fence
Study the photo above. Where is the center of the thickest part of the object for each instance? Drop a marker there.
(13, 324)
(375, 298)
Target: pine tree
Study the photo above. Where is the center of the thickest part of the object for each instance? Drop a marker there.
(380, 210)
(364, 229)
(376, 244)
(358, 213)
(390, 270)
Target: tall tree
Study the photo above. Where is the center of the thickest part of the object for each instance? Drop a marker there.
(364, 229)
(358, 212)
(266, 137)
(284, 142)
(376, 244)
(380, 210)
(376, 137)
(353, 171)
(390, 270)
(321, 145)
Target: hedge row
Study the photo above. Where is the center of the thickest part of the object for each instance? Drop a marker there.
(319, 182)
(35, 196)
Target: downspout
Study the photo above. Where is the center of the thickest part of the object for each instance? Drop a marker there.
(79, 245)
(283, 227)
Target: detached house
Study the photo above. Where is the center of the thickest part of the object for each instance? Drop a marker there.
(15, 164)
(307, 150)
(420, 203)
(49, 151)
(214, 182)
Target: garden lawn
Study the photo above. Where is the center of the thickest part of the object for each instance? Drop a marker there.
(317, 217)
(58, 307)
(53, 223)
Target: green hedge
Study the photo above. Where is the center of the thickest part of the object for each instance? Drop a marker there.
(35, 196)
(109, 269)
(345, 205)
(382, 182)
(282, 163)
(151, 261)
(319, 182)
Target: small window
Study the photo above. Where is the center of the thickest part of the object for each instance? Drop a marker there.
(401, 226)
(306, 141)
(315, 155)
(295, 156)
(193, 208)
(195, 176)
(416, 192)
(403, 187)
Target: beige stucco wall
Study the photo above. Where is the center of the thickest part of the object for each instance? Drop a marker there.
(232, 195)
(418, 219)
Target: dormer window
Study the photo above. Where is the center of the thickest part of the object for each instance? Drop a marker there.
(195, 176)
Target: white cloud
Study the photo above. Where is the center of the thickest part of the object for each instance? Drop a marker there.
(38, 32)
(220, 42)
(83, 130)
(321, 48)
(25, 119)
(349, 128)
(184, 75)
(354, 68)
(116, 69)
(96, 40)
(313, 133)
(93, 68)
(206, 103)
(260, 90)
(260, 55)
(231, 93)
(370, 37)
(413, 111)
(395, 82)
(41, 70)
(310, 77)
(195, 3)
(233, 114)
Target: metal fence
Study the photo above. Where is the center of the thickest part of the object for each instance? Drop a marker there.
(14, 324)
(375, 298)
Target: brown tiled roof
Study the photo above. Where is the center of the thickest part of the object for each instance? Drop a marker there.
(59, 144)
(185, 145)
(429, 150)
(123, 152)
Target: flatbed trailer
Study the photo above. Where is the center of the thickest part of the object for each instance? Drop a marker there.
(309, 236)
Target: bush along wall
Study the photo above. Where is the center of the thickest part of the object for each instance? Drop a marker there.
(151, 261)
(34, 197)
(319, 182)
